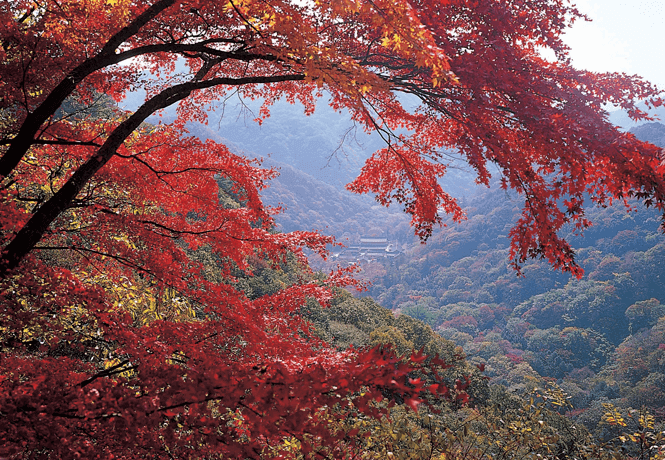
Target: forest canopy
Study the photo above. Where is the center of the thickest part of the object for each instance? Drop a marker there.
(125, 323)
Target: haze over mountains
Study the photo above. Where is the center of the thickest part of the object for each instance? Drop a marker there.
(317, 156)
(621, 118)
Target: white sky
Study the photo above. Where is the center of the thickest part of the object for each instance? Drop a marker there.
(625, 36)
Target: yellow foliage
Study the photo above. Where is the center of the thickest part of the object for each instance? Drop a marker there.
(612, 416)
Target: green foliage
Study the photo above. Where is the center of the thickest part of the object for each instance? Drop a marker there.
(644, 314)
(640, 368)
(599, 336)
(507, 427)
(555, 352)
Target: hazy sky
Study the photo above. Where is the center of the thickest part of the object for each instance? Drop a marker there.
(625, 36)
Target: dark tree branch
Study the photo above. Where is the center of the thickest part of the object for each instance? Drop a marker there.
(107, 56)
(160, 173)
(26, 239)
(107, 372)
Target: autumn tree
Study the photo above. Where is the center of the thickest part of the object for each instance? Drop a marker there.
(122, 326)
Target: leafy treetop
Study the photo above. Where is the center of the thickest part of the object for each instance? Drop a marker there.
(122, 326)
(475, 67)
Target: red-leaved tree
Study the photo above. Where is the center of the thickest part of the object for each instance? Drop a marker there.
(118, 339)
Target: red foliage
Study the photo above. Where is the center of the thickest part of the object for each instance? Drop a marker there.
(515, 359)
(116, 339)
(462, 323)
(575, 412)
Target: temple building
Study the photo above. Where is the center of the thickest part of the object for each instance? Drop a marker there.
(369, 249)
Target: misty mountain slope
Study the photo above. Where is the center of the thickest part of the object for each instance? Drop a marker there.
(621, 118)
(653, 132)
(326, 144)
(311, 204)
(314, 169)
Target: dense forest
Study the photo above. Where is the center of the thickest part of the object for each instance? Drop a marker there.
(160, 292)
(487, 416)
(601, 337)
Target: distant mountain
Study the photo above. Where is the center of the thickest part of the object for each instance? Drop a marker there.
(621, 118)
(326, 144)
(317, 155)
(310, 203)
(601, 337)
(653, 132)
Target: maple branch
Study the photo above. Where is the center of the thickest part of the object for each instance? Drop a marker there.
(107, 56)
(200, 48)
(245, 19)
(429, 97)
(177, 233)
(160, 173)
(135, 26)
(106, 372)
(122, 260)
(214, 334)
(21, 143)
(128, 263)
(24, 17)
(408, 167)
(34, 229)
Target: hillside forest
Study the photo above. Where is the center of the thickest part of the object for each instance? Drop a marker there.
(600, 338)
(177, 177)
